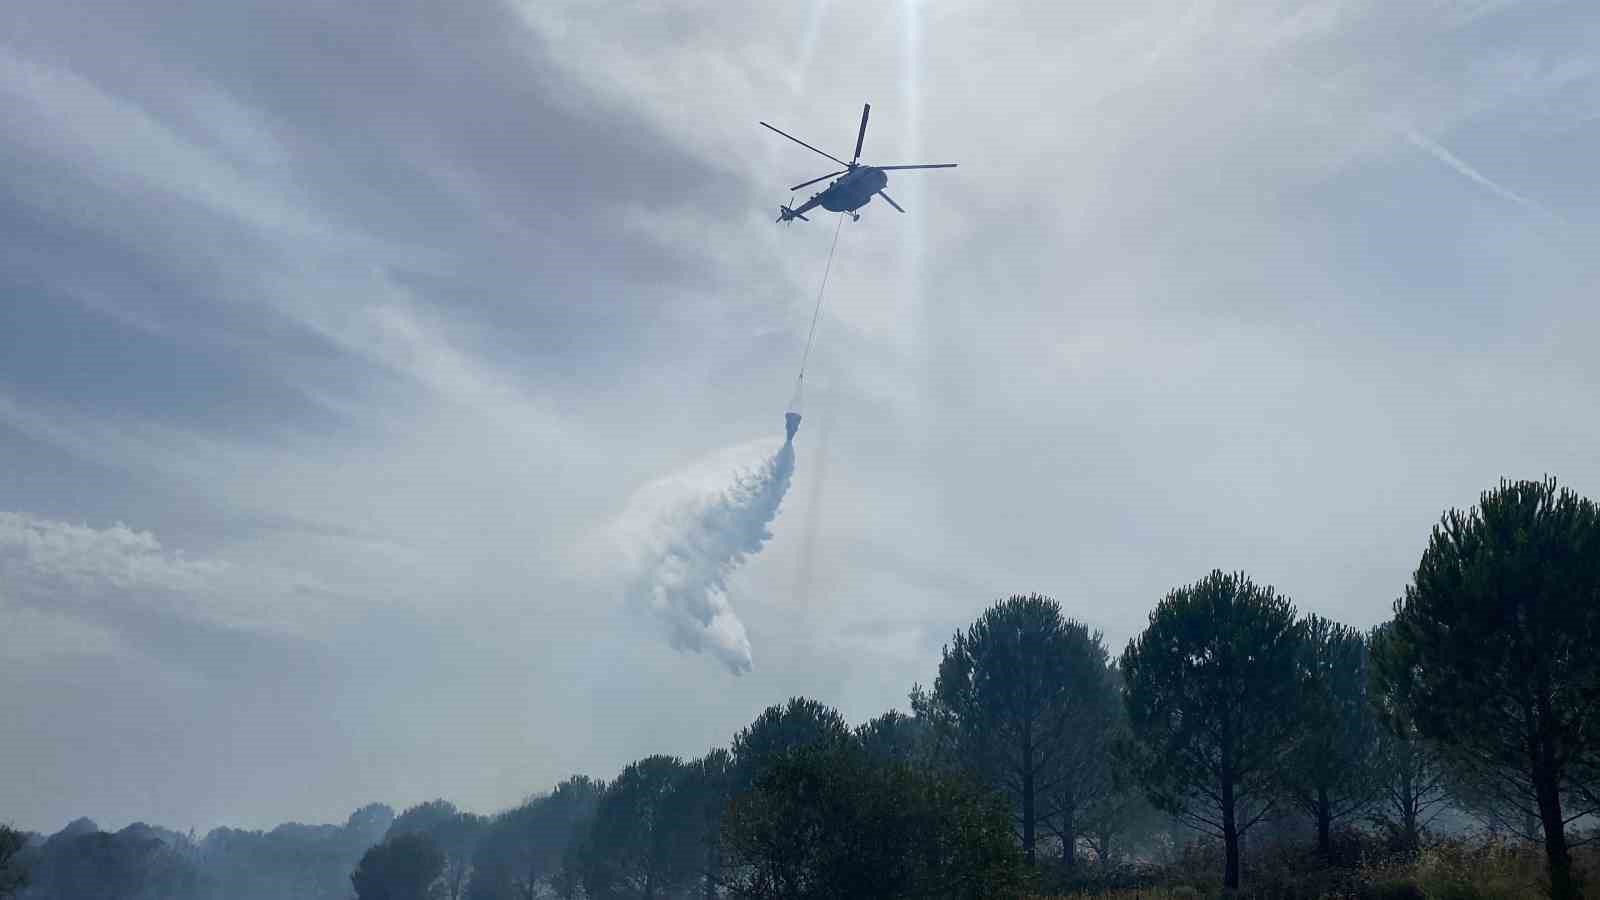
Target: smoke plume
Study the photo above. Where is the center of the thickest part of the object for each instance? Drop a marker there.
(690, 534)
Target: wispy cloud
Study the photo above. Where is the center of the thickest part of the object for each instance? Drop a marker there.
(98, 574)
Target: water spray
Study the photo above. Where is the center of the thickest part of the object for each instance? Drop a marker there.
(688, 533)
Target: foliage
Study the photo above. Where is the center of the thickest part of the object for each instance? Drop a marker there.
(1121, 814)
(829, 821)
(1493, 652)
(1024, 697)
(1235, 717)
(1409, 773)
(137, 863)
(13, 868)
(895, 737)
(1331, 770)
(704, 793)
(1117, 810)
(1393, 889)
(305, 861)
(523, 848)
(799, 723)
(453, 832)
(1467, 869)
(1211, 698)
(424, 818)
(640, 842)
(407, 866)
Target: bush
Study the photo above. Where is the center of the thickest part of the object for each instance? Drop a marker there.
(1392, 889)
(1457, 869)
(1482, 870)
(1098, 881)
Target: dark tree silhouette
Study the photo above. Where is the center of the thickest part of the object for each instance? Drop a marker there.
(407, 866)
(13, 873)
(1493, 653)
(1211, 698)
(704, 791)
(312, 862)
(1080, 802)
(641, 843)
(1118, 808)
(1331, 773)
(522, 849)
(455, 833)
(1409, 775)
(424, 818)
(780, 729)
(1022, 693)
(895, 737)
(829, 821)
(137, 863)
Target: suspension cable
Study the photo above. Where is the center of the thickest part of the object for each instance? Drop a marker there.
(820, 288)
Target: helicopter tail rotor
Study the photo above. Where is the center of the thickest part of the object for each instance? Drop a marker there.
(786, 214)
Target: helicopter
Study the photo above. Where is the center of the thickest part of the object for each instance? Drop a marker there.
(855, 189)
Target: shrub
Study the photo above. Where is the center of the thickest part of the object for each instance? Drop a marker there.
(1392, 889)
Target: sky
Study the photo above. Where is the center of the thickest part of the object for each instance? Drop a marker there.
(338, 340)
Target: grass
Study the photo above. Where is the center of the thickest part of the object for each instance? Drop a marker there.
(1481, 869)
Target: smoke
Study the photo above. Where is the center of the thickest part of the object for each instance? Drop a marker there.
(690, 532)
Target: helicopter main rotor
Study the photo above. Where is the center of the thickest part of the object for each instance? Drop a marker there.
(855, 161)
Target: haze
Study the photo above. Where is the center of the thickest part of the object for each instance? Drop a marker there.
(335, 339)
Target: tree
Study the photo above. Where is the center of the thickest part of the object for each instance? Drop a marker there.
(372, 820)
(137, 863)
(830, 821)
(453, 832)
(312, 862)
(407, 866)
(1211, 699)
(703, 795)
(1494, 652)
(1022, 692)
(424, 818)
(13, 874)
(522, 849)
(1080, 801)
(895, 737)
(640, 843)
(1331, 770)
(1119, 809)
(1119, 816)
(1410, 776)
(781, 729)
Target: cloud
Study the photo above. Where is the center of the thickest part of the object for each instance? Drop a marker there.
(80, 557)
(364, 319)
(116, 574)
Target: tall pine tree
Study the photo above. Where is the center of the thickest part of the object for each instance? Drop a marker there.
(1212, 699)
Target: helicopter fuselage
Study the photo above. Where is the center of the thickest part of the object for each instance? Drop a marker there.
(853, 189)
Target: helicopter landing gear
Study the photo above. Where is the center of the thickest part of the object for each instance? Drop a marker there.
(855, 217)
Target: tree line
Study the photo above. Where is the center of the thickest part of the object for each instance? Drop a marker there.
(1036, 749)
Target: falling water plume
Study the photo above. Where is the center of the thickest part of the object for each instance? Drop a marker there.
(694, 535)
